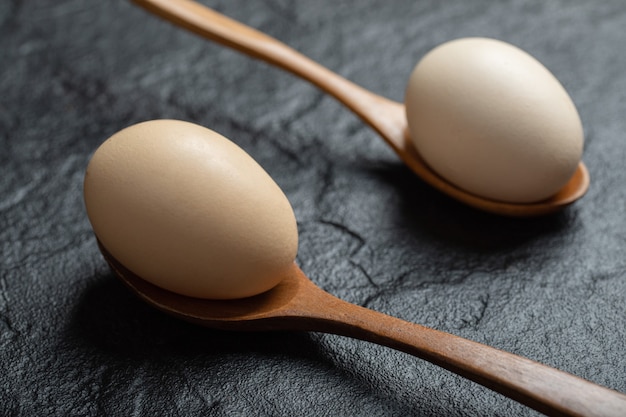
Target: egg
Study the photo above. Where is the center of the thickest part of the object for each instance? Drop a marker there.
(491, 119)
(189, 211)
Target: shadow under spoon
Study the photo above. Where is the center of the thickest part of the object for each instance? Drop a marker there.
(385, 116)
(297, 304)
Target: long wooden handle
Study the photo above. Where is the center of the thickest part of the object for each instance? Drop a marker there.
(545, 389)
(383, 115)
(548, 390)
(228, 32)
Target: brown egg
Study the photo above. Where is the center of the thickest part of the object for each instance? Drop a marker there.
(491, 119)
(189, 211)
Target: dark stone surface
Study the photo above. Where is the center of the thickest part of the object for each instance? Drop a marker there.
(74, 341)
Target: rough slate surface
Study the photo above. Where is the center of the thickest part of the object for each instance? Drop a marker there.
(74, 341)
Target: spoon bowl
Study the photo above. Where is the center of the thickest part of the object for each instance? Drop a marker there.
(385, 116)
(297, 304)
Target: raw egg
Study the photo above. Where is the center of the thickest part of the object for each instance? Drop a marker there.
(189, 211)
(491, 119)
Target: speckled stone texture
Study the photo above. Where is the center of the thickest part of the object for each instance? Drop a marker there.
(75, 342)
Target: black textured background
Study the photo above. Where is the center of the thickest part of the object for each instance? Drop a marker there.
(74, 341)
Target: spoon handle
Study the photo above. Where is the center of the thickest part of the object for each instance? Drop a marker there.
(548, 390)
(383, 115)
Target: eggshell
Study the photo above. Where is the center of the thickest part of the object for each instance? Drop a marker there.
(492, 120)
(189, 211)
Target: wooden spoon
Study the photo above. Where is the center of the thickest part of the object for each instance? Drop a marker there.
(297, 304)
(383, 115)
